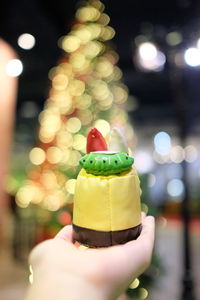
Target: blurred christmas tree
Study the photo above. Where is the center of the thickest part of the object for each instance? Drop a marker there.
(85, 92)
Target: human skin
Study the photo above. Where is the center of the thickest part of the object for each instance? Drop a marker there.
(63, 271)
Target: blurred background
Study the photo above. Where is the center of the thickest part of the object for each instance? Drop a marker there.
(67, 66)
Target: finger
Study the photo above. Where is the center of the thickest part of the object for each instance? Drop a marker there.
(142, 247)
(65, 233)
(132, 258)
(148, 230)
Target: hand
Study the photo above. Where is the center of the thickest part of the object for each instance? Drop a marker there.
(63, 271)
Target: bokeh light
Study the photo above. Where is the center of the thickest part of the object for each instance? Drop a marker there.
(162, 143)
(175, 187)
(149, 58)
(26, 41)
(191, 153)
(192, 57)
(14, 67)
(73, 125)
(70, 186)
(37, 156)
(143, 161)
(143, 293)
(177, 154)
(134, 284)
(103, 126)
(54, 155)
(174, 38)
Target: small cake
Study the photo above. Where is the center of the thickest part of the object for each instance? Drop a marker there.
(107, 196)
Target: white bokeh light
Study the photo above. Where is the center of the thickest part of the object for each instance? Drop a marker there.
(26, 41)
(143, 161)
(14, 67)
(162, 143)
(192, 57)
(147, 51)
(149, 58)
(175, 187)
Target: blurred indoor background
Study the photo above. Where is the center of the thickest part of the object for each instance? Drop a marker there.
(66, 66)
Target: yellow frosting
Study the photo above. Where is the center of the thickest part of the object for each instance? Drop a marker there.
(107, 203)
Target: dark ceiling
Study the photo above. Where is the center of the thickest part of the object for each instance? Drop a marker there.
(159, 94)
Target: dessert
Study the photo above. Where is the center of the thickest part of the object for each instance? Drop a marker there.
(107, 196)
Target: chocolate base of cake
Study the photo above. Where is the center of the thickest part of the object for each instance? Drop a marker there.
(97, 239)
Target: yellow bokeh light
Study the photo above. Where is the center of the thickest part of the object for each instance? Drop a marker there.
(70, 186)
(60, 82)
(54, 155)
(78, 61)
(37, 156)
(50, 121)
(92, 49)
(23, 197)
(97, 4)
(105, 68)
(79, 142)
(48, 180)
(67, 68)
(66, 157)
(73, 125)
(74, 158)
(76, 87)
(117, 74)
(104, 19)
(52, 202)
(28, 193)
(54, 71)
(120, 94)
(45, 136)
(70, 43)
(107, 103)
(134, 284)
(83, 101)
(64, 139)
(85, 116)
(143, 293)
(107, 33)
(103, 126)
(83, 34)
(87, 13)
(100, 90)
(95, 30)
